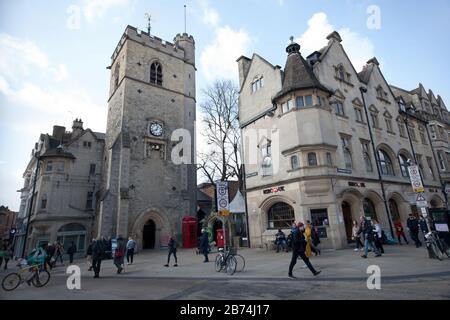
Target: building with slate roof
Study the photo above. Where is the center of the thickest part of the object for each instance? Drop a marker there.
(317, 148)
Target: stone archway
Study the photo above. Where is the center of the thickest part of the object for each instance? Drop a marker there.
(154, 226)
(351, 209)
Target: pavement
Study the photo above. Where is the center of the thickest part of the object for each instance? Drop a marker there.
(406, 273)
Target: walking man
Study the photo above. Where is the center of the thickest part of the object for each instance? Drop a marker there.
(71, 251)
(98, 254)
(131, 244)
(59, 253)
(172, 250)
(298, 250)
(369, 237)
(204, 244)
(89, 255)
(413, 227)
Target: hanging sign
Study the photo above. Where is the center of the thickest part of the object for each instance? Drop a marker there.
(416, 181)
(223, 205)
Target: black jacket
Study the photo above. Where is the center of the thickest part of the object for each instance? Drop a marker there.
(172, 245)
(299, 242)
(72, 249)
(204, 241)
(413, 224)
(89, 250)
(98, 250)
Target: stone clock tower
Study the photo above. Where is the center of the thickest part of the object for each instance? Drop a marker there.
(152, 94)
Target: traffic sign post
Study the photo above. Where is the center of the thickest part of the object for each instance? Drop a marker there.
(421, 201)
(416, 180)
(223, 204)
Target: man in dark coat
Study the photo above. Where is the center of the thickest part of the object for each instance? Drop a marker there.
(172, 250)
(204, 244)
(98, 254)
(413, 226)
(71, 251)
(298, 250)
(366, 229)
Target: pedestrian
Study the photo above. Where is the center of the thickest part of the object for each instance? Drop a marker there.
(378, 235)
(356, 235)
(98, 254)
(299, 244)
(5, 254)
(131, 244)
(50, 259)
(71, 251)
(413, 227)
(280, 240)
(119, 254)
(172, 250)
(310, 233)
(59, 252)
(89, 255)
(369, 237)
(204, 244)
(399, 231)
(423, 227)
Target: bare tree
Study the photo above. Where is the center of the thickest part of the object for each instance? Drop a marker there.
(219, 108)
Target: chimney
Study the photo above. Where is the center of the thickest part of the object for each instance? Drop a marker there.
(243, 66)
(77, 127)
(334, 35)
(58, 132)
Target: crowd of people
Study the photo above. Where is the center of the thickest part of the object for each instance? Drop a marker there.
(303, 240)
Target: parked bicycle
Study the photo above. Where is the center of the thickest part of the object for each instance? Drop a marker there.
(229, 261)
(37, 276)
(436, 246)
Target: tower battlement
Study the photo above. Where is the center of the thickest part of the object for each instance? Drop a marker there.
(176, 49)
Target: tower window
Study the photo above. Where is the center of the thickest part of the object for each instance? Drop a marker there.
(156, 73)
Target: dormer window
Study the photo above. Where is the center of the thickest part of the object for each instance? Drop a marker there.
(401, 106)
(257, 84)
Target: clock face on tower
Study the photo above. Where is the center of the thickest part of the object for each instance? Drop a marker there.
(156, 129)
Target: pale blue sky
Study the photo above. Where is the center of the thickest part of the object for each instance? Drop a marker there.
(52, 70)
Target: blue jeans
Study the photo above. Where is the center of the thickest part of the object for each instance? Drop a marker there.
(368, 243)
(282, 244)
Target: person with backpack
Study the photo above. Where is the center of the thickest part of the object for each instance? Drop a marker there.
(299, 244)
(71, 251)
(131, 244)
(98, 254)
(119, 254)
(172, 250)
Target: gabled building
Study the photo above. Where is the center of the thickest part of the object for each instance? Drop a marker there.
(63, 206)
(317, 148)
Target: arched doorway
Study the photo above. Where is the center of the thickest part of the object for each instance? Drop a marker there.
(369, 209)
(149, 235)
(393, 209)
(347, 213)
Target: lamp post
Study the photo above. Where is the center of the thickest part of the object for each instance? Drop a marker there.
(30, 207)
(380, 178)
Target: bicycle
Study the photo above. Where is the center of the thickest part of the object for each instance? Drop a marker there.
(39, 277)
(436, 246)
(226, 260)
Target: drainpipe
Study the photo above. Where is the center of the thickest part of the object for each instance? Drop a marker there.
(246, 205)
(364, 90)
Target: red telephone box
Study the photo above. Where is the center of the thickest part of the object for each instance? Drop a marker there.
(189, 232)
(220, 238)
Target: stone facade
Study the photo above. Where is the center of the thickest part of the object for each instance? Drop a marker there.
(145, 194)
(308, 150)
(69, 168)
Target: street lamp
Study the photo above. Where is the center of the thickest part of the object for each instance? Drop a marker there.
(30, 207)
(380, 178)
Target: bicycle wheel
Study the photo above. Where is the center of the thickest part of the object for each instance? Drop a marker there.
(11, 281)
(240, 263)
(41, 278)
(436, 250)
(231, 265)
(219, 263)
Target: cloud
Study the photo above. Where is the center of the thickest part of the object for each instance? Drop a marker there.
(218, 59)
(19, 56)
(60, 73)
(359, 48)
(96, 9)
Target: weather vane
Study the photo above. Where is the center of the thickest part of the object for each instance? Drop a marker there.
(149, 19)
